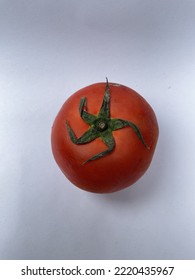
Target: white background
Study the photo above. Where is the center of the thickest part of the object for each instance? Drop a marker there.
(49, 50)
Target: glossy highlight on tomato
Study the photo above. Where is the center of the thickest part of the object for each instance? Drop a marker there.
(104, 137)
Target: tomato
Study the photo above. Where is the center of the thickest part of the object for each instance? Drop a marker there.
(104, 137)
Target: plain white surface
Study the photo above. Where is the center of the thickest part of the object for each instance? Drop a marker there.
(49, 50)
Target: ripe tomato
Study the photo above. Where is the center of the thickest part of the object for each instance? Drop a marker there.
(104, 137)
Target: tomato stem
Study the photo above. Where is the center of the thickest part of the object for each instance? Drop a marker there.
(101, 126)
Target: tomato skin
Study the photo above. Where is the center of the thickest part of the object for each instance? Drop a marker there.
(130, 158)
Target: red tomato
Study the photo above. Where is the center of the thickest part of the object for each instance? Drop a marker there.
(104, 137)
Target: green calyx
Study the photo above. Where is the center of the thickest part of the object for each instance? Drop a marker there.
(101, 126)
